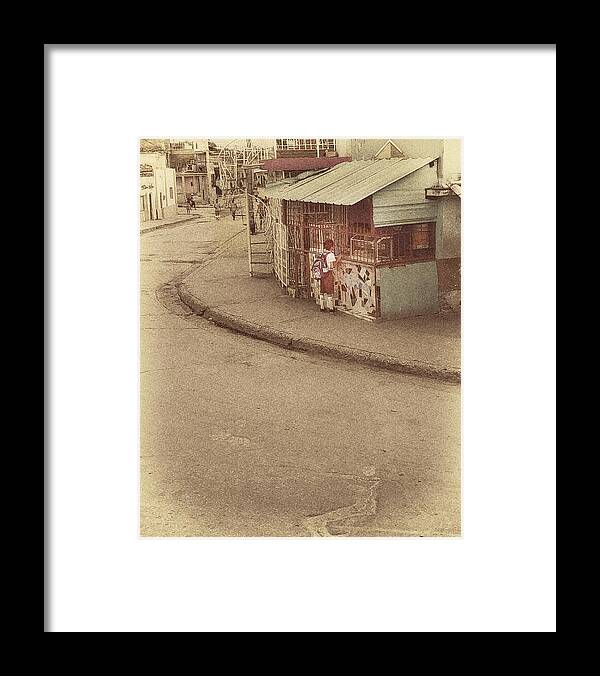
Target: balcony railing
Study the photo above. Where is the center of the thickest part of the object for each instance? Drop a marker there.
(191, 169)
(406, 244)
(366, 249)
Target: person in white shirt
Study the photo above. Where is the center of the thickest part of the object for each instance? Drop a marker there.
(326, 299)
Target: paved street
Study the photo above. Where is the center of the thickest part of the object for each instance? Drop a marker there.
(243, 438)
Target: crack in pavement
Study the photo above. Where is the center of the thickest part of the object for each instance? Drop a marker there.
(167, 295)
(366, 505)
(367, 483)
(219, 251)
(169, 368)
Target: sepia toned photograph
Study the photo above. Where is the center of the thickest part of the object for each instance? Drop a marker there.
(296, 384)
(300, 344)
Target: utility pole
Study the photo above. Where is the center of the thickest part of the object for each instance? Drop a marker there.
(235, 169)
(249, 200)
(250, 224)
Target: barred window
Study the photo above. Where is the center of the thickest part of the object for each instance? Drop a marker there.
(305, 143)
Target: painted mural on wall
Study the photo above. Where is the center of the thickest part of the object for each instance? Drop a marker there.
(355, 289)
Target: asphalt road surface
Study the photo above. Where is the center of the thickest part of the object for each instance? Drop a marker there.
(243, 438)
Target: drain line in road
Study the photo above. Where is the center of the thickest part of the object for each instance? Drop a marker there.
(219, 251)
(167, 294)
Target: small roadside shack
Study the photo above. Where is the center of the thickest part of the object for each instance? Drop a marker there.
(384, 227)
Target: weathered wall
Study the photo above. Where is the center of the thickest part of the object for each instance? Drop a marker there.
(448, 252)
(448, 270)
(420, 147)
(408, 290)
(447, 243)
(449, 149)
(404, 201)
(451, 162)
(448, 274)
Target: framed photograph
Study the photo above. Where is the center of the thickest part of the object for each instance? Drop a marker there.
(298, 379)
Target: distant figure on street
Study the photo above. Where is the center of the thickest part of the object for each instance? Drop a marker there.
(217, 210)
(233, 209)
(192, 202)
(326, 262)
(187, 206)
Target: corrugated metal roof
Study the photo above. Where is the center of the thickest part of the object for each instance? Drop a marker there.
(350, 182)
(302, 163)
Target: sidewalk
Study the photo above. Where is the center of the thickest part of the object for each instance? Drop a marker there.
(182, 216)
(223, 292)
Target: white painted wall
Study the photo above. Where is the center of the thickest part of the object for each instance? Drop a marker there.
(161, 183)
(451, 159)
(155, 160)
(448, 149)
(404, 201)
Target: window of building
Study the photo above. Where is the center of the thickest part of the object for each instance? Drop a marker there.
(421, 236)
(305, 143)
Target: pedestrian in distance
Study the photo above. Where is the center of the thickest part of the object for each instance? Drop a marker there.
(233, 210)
(217, 210)
(187, 206)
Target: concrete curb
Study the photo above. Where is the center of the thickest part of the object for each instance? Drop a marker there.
(287, 340)
(167, 225)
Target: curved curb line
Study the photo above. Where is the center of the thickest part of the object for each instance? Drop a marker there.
(163, 226)
(287, 340)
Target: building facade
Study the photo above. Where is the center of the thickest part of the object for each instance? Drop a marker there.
(190, 160)
(157, 187)
(400, 249)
